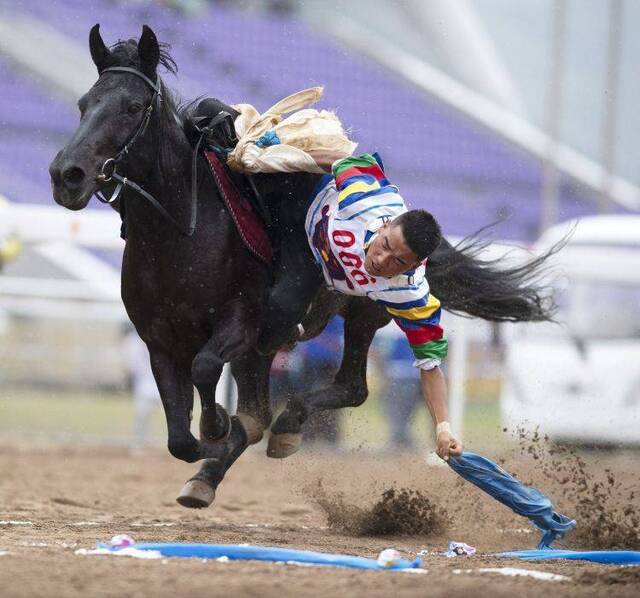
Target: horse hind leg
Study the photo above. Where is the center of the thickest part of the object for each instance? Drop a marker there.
(349, 389)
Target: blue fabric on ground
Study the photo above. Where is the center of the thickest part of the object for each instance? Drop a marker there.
(523, 500)
(614, 557)
(266, 553)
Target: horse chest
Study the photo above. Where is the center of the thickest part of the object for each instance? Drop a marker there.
(166, 301)
(176, 290)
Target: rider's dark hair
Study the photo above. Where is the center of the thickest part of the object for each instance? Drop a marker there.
(421, 232)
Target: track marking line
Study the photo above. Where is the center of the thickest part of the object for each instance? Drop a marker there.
(515, 572)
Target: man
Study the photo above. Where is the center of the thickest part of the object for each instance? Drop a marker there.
(367, 243)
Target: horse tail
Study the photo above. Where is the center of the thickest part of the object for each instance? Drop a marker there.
(466, 284)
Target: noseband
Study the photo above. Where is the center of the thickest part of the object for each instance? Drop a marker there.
(108, 172)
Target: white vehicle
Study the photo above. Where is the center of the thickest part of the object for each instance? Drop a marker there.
(579, 380)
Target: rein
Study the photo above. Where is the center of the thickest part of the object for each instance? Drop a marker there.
(108, 172)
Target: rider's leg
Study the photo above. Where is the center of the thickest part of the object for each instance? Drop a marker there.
(212, 107)
(297, 279)
(223, 133)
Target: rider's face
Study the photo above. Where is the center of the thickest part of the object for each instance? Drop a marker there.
(388, 255)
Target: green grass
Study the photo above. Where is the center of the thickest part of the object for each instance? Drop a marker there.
(109, 418)
(72, 415)
(481, 425)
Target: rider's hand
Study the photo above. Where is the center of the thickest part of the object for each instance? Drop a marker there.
(447, 445)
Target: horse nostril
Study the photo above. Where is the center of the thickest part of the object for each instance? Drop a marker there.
(73, 176)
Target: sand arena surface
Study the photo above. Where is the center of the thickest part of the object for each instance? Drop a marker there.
(54, 500)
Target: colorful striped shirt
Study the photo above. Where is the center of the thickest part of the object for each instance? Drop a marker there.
(346, 212)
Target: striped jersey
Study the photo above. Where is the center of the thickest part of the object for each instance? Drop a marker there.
(347, 209)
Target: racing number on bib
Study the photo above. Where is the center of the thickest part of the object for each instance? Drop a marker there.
(345, 238)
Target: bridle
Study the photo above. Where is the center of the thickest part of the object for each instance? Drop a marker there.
(108, 172)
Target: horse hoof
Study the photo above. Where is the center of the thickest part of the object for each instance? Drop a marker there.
(195, 494)
(284, 445)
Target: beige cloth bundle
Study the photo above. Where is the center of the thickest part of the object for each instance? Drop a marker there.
(307, 136)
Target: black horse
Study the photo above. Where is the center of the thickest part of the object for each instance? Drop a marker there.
(197, 295)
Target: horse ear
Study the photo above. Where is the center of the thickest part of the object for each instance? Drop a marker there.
(148, 50)
(99, 52)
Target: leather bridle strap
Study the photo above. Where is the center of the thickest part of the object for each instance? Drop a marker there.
(108, 171)
(144, 123)
(125, 182)
(126, 69)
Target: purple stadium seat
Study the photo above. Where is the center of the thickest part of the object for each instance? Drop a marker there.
(440, 159)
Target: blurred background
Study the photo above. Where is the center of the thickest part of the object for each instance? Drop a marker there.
(519, 113)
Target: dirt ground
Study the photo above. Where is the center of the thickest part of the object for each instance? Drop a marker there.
(56, 499)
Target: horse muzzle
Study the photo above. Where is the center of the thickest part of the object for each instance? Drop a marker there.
(72, 187)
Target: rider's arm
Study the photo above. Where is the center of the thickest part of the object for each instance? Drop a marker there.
(434, 392)
(358, 178)
(417, 313)
(337, 163)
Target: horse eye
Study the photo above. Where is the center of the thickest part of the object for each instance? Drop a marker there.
(134, 108)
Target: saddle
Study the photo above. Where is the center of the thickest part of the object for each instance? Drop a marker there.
(214, 120)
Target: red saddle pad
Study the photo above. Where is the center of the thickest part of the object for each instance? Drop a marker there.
(249, 225)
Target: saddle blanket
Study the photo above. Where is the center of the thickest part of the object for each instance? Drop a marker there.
(248, 223)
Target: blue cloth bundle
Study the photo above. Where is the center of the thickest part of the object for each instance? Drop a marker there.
(523, 500)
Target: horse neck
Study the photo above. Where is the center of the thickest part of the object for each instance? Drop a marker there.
(169, 182)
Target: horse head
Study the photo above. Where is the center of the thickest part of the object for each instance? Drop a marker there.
(114, 118)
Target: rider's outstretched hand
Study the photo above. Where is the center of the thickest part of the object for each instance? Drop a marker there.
(447, 445)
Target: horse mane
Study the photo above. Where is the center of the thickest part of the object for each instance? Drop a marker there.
(125, 52)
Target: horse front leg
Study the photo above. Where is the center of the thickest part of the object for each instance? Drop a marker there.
(176, 392)
(362, 319)
(234, 334)
(222, 438)
(251, 372)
